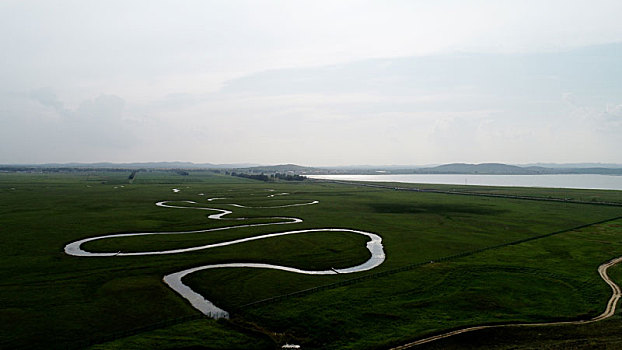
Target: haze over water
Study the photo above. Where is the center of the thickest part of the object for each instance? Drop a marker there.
(584, 181)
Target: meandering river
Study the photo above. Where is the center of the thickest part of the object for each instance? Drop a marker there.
(174, 280)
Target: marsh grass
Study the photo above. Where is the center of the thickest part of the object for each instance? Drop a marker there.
(51, 300)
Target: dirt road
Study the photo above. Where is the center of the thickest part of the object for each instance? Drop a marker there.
(609, 311)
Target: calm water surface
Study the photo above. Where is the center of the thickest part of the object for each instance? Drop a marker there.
(588, 181)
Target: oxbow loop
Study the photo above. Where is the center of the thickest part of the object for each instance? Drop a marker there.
(174, 280)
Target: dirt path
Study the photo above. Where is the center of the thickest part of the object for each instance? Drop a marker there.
(609, 311)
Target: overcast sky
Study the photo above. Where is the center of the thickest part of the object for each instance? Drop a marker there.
(311, 82)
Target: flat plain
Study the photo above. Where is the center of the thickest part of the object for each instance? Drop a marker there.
(451, 261)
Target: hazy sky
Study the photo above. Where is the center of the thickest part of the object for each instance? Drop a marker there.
(311, 82)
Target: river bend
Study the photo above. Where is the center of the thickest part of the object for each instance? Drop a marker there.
(174, 280)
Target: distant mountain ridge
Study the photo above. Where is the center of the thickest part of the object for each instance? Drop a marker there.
(483, 169)
(282, 168)
(137, 165)
(505, 169)
(572, 165)
(453, 168)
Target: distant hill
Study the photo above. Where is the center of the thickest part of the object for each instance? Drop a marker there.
(454, 168)
(486, 168)
(573, 165)
(143, 165)
(283, 168)
(506, 169)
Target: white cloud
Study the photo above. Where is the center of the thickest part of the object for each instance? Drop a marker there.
(314, 82)
(41, 129)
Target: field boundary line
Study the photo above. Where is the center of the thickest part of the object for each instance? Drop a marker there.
(609, 311)
(476, 194)
(412, 266)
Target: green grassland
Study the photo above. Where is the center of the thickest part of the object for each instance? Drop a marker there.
(485, 269)
(586, 195)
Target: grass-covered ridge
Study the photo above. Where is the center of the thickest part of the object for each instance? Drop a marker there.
(50, 299)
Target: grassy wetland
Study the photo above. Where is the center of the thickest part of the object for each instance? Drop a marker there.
(451, 261)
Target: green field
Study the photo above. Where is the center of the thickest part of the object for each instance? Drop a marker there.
(495, 260)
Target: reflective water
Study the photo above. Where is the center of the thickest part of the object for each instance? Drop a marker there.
(174, 280)
(586, 181)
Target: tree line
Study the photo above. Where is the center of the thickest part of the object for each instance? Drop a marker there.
(271, 177)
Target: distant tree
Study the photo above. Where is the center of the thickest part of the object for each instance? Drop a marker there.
(261, 177)
(290, 177)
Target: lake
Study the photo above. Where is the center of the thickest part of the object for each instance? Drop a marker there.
(586, 181)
